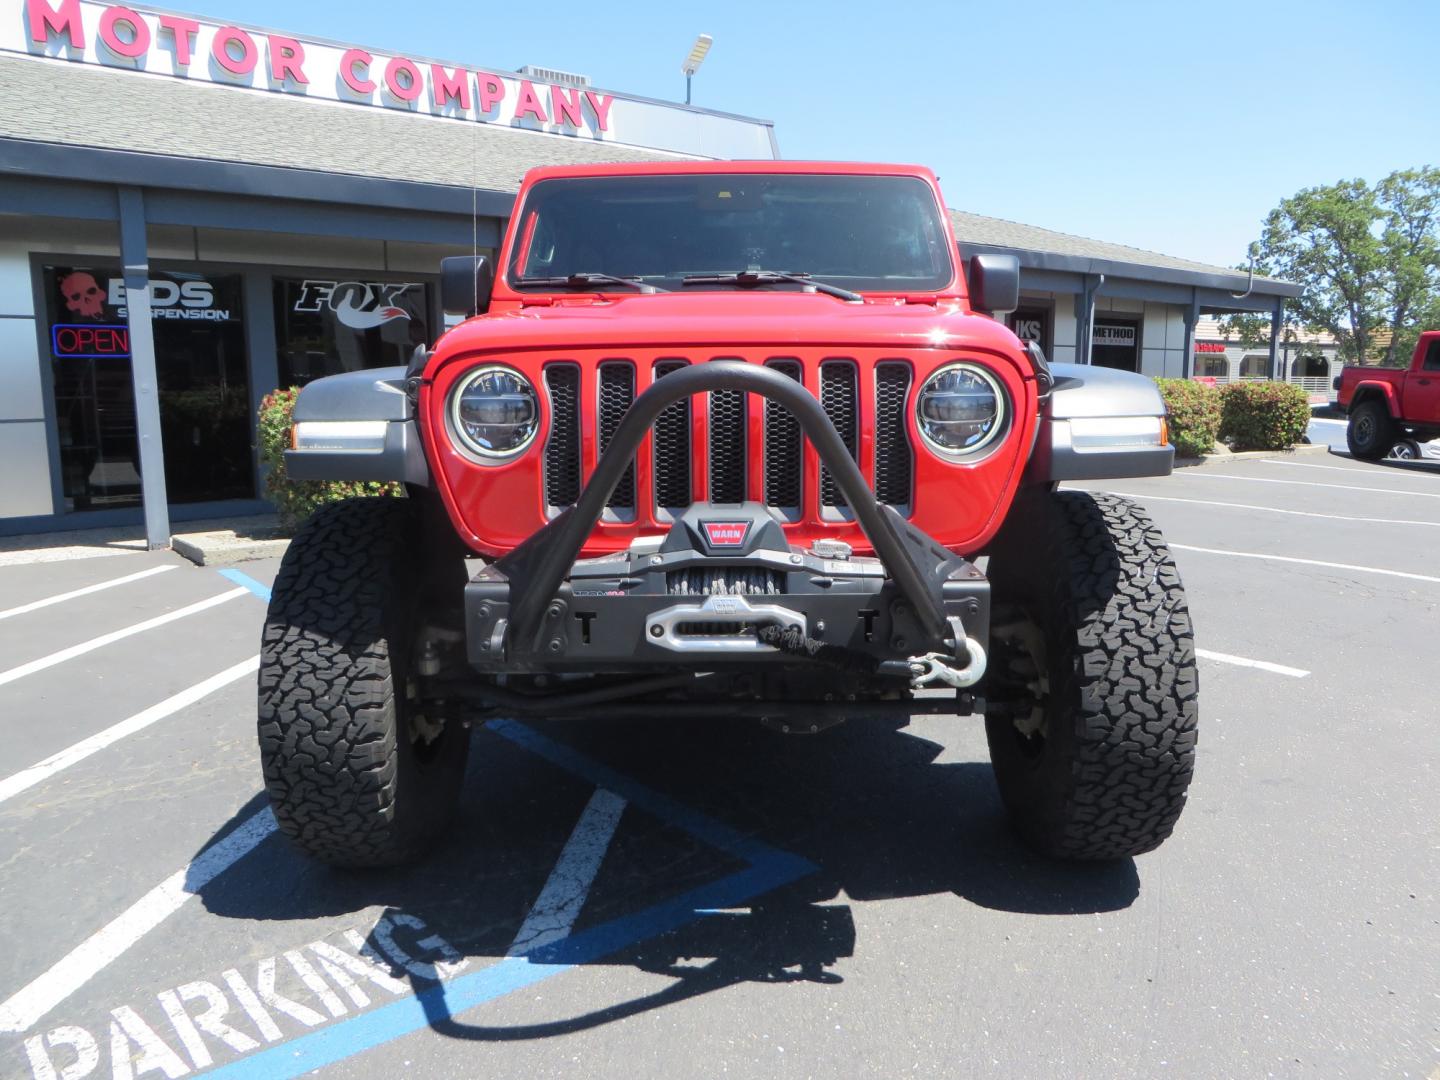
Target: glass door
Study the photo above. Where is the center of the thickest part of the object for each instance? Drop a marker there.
(201, 369)
(1116, 344)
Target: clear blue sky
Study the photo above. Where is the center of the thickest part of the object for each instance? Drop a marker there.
(1166, 126)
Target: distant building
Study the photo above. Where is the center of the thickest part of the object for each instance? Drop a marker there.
(1307, 359)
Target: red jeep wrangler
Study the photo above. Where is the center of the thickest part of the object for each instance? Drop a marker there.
(728, 440)
(1392, 409)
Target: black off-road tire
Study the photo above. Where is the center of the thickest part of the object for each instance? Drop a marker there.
(1371, 431)
(352, 777)
(1093, 742)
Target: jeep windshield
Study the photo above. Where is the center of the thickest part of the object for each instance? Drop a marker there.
(704, 232)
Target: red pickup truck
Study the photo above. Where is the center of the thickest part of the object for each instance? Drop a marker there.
(1390, 405)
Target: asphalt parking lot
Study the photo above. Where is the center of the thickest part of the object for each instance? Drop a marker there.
(659, 900)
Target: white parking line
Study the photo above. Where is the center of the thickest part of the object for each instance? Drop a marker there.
(28, 778)
(1383, 471)
(564, 894)
(1243, 661)
(115, 635)
(1275, 510)
(26, 1006)
(1307, 562)
(36, 605)
(1202, 474)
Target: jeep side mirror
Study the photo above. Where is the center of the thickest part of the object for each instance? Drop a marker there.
(466, 282)
(994, 283)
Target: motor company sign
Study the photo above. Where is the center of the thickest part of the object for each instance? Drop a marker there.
(166, 43)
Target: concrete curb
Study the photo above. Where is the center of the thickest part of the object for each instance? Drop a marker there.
(1304, 450)
(225, 547)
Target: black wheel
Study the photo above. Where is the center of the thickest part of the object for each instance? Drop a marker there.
(1092, 682)
(356, 773)
(1371, 432)
(1405, 450)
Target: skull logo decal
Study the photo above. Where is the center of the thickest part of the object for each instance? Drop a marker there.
(83, 295)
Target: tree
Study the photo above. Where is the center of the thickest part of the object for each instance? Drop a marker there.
(1368, 257)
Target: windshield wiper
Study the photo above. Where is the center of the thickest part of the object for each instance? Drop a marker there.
(580, 281)
(753, 277)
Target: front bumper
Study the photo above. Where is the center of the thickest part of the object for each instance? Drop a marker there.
(541, 609)
(651, 610)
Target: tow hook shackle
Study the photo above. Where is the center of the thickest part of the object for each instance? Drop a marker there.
(935, 667)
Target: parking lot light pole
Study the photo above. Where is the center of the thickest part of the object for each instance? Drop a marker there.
(694, 60)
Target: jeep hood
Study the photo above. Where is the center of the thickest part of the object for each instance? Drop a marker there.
(738, 318)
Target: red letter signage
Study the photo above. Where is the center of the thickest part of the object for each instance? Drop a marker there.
(182, 30)
(410, 87)
(601, 104)
(135, 43)
(565, 106)
(445, 87)
(492, 90)
(244, 64)
(529, 104)
(45, 20)
(359, 81)
(286, 57)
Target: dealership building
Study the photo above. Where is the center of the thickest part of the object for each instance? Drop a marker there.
(193, 213)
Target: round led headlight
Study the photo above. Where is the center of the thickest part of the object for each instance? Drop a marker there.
(494, 412)
(960, 410)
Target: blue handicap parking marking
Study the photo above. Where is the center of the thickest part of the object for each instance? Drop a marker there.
(259, 589)
(766, 868)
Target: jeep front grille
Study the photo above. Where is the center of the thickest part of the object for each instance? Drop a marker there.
(783, 442)
(617, 394)
(562, 449)
(727, 445)
(894, 463)
(840, 399)
(855, 393)
(672, 448)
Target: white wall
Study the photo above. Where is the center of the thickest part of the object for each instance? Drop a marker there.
(1062, 328)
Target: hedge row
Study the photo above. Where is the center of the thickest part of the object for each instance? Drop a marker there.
(1263, 415)
(1245, 415)
(295, 500)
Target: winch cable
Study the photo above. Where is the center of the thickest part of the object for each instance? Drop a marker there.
(792, 640)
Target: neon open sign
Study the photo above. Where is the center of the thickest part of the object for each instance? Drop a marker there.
(89, 341)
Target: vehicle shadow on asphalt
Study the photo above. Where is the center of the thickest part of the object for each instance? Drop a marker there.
(866, 803)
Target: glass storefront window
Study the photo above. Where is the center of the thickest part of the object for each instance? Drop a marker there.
(1032, 323)
(204, 391)
(1213, 365)
(326, 326)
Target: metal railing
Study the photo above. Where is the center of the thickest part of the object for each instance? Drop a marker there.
(1311, 384)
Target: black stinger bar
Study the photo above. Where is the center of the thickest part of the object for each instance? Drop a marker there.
(537, 567)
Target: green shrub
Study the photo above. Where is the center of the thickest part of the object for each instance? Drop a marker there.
(295, 500)
(1263, 415)
(1193, 411)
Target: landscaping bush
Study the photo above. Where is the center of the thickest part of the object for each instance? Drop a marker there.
(295, 500)
(1193, 411)
(1263, 415)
